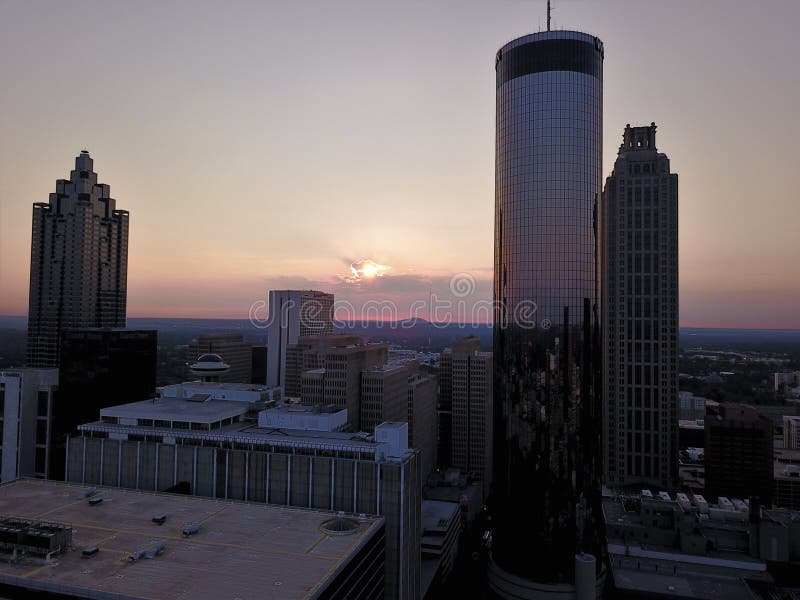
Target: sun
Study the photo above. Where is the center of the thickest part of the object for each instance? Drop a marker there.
(367, 269)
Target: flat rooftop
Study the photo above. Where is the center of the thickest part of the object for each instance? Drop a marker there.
(302, 409)
(219, 385)
(243, 550)
(178, 409)
(395, 365)
(658, 585)
(248, 433)
(437, 514)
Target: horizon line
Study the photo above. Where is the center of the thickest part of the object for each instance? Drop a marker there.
(460, 323)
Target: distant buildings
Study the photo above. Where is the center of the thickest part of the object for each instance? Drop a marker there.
(691, 407)
(259, 365)
(236, 352)
(787, 383)
(465, 402)
(787, 478)
(26, 423)
(547, 452)
(681, 546)
(343, 370)
(791, 432)
(739, 453)
(640, 303)
(329, 369)
(205, 439)
(294, 314)
(79, 262)
(99, 368)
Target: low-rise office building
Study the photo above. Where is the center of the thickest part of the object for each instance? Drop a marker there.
(214, 448)
(682, 544)
(441, 527)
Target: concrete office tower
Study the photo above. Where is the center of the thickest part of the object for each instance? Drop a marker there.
(791, 432)
(421, 419)
(739, 453)
(26, 414)
(79, 262)
(547, 451)
(399, 392)
(294, 314)
(466, 373)
(640, 315)
(335, 377)
(384, 394)
(236, 353)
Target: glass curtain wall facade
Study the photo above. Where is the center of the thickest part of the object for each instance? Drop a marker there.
(547, 469)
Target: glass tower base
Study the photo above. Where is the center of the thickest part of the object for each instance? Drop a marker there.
(508, 586)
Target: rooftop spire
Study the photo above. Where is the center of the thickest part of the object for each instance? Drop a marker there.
(548, 15)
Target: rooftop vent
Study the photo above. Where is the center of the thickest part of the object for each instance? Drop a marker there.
(340, 525)
(150, 552)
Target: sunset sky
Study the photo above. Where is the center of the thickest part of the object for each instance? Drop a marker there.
(261, 145)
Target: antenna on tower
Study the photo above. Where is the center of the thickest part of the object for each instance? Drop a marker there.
(548, 15)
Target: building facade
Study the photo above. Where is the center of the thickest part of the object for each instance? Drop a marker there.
(294, 314)
(791, 432)
(468, 373)
(421, 416)
(640, 315)
(739, 453)
(547, 452)
(234, 350)
(99, 368)
(26, 411)
(329, 371)
(79, 262)
(384, 395)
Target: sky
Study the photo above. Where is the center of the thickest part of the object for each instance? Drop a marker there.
(262, 145)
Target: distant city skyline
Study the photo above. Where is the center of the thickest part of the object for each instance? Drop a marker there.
(277, 146)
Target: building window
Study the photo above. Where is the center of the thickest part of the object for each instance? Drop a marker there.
(42, 408)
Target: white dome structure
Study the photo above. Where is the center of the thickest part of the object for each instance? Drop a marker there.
(209, 367)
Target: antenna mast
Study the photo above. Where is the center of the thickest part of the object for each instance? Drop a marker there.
(548, 15)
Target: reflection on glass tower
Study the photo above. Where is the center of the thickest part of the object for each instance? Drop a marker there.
(546, 495)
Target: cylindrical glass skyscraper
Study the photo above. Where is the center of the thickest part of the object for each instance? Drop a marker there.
(546, 492)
